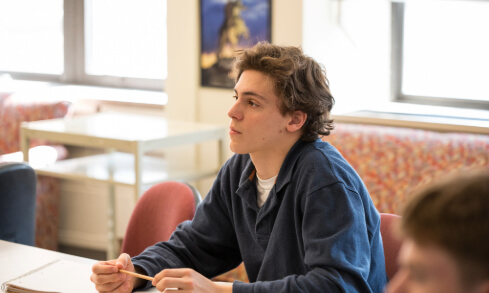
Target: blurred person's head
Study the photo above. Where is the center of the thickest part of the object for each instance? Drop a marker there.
(445, 228)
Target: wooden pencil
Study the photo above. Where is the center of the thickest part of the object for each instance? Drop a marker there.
(136, 275)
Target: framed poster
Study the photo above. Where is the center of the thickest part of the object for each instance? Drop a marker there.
(227, 26)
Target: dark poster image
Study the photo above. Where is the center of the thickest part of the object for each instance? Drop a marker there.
(226, 26)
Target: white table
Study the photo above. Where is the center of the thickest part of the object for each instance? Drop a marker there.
(125, 138)
(17, 259)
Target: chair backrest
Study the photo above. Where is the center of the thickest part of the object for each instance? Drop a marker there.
(197, 197)
(157, 213)
(17, 203)
(391, 243)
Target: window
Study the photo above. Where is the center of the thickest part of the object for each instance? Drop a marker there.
(119, 43)
(31, 39)
(440, 52)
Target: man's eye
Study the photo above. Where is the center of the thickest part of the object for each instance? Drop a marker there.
(235, 97)
(253, 104)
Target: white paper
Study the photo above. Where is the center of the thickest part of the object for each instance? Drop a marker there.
(59, 276)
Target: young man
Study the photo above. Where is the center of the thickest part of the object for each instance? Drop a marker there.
(446, 246)
(286, 204)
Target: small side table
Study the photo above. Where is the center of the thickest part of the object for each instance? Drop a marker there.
(125, 138)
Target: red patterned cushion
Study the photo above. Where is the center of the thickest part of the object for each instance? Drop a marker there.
(3, 97)
(393, 162)
(13, 112)
(47, 212)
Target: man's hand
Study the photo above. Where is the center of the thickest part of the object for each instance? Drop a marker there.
(106, 276)
(188, 280)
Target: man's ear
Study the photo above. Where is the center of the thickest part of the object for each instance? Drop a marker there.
(297, 120)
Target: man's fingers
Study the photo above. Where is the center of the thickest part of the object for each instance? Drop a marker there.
(176, 273)
(186, 280)
(111, 283)
(104, 267)
(171, 284)
(107, 278)
(123, 260)
(110, 287)
(170, 279)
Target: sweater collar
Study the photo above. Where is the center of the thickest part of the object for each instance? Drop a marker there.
(284, 175)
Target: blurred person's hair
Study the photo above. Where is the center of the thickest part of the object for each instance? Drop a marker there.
(453, 214)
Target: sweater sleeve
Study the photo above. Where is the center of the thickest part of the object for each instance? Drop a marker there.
(206, 244)
(337, 246)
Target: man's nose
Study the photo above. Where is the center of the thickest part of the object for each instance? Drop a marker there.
(234, 112)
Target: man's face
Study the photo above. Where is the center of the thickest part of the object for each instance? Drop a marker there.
(425, 269)
(257, 126)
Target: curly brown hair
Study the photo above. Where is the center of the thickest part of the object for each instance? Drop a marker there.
(299, 81)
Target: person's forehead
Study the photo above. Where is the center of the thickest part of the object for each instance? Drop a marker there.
(428, 258)
(255, 76)
(252, 82)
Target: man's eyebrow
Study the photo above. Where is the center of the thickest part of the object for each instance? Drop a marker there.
(252, 94)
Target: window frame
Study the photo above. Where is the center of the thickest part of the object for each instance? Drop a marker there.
(397, 44)
(74, 58)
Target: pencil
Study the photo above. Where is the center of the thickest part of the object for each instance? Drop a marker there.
(136, 275)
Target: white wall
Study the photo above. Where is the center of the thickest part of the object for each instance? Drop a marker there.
(186, 101)
(186, 98)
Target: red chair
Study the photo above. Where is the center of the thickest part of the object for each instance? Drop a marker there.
(157, 213)
(391, 243)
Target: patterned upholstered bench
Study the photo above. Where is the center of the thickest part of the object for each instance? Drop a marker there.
(13, 112)
(393, 161)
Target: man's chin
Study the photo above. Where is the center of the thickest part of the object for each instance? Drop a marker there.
(237, 150)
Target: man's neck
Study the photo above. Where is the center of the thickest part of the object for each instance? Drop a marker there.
(268, 164)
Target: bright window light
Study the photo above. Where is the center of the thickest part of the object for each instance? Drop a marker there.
(31, 36)
(446, 49)
(126, 38)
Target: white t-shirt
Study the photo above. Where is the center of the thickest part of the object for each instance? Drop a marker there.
(263, 187)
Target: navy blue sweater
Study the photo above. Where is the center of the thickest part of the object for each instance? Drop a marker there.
(318, 231)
